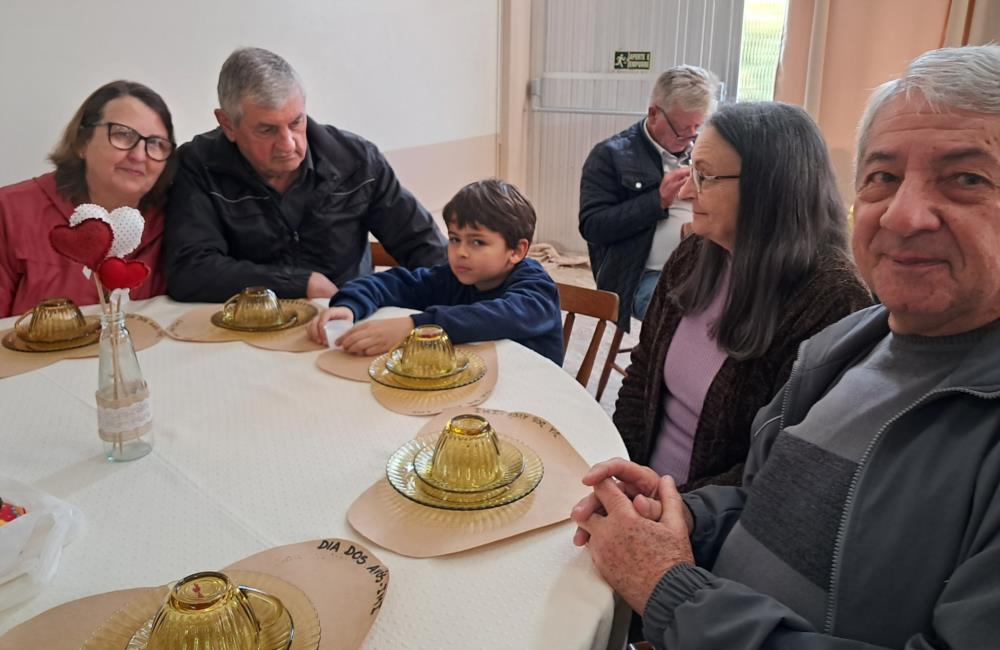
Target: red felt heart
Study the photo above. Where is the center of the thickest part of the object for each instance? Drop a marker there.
(116, 273)
(88, 242)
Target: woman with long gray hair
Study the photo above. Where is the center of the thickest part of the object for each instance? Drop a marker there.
(766, 267)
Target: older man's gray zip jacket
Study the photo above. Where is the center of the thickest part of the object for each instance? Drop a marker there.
(917, 559)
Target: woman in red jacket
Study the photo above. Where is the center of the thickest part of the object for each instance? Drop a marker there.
(116, 151)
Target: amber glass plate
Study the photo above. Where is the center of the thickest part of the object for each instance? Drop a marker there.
(402, 476)
(474, 371)
(14, 342)
(296, 312)
(393, 363)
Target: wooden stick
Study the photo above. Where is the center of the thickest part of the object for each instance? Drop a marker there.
(116, 366)
(116, 309)
(116, 372)
(105, 307)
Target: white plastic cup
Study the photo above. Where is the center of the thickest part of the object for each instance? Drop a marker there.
(334, 329)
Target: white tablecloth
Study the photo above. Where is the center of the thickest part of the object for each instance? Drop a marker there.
(255, 449)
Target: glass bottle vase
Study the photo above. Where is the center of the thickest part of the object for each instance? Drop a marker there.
(124, 414)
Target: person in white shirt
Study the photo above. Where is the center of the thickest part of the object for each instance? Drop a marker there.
(629, 211)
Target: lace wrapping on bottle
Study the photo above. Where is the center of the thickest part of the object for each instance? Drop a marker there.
(126, 418)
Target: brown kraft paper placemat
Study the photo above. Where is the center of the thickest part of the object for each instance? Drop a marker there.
(417, 402)
(392, 521)
(196, 325)
(145, 333)
(344, 365)
(344, 580)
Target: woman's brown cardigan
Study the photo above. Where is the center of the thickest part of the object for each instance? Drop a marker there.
(740, 388)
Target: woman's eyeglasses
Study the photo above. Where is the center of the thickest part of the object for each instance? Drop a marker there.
(699, 179)
(125, 138)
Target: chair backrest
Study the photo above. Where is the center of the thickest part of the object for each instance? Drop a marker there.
(602, 305)
(381, 257)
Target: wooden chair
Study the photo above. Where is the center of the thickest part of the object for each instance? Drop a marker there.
(612, 364)
(381, 257)
(602, 305)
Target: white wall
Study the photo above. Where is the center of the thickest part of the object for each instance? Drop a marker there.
(402, 73)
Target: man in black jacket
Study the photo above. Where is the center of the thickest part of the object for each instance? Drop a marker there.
(629, 211)
(272, 198)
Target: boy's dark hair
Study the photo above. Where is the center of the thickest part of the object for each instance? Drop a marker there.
(495, 205)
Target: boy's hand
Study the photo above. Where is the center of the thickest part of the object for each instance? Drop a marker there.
(375, 336)
(316, 330)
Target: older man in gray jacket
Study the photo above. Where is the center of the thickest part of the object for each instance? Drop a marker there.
(870, 511)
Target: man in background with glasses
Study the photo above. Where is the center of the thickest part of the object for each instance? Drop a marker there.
(271, 198)
(629, 211)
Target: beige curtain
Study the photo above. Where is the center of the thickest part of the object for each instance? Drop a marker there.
(972, 22)
(836, 52)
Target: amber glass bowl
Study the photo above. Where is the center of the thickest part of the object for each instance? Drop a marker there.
(427, 353)
(207, 610)
(54, 320)
(466, 456)
(254, 308)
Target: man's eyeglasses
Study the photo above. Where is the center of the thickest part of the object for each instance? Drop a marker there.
(674, 128)
(125, 138)
(699, 179)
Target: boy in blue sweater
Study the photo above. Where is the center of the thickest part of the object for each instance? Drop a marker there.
(487, 291)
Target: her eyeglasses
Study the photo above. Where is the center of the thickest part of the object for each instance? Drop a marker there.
(125, 138)
(699, 179)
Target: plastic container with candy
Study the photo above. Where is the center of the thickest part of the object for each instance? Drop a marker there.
(9, 512)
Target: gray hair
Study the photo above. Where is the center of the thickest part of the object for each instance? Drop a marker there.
(966, 78)
(687, 87)
(259, 75)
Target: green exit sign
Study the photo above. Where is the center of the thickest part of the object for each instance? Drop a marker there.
(632, 60)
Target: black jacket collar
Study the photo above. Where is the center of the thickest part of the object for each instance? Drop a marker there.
(327, 149)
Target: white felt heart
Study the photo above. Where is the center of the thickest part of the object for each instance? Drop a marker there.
(127, 224)
(86, 211)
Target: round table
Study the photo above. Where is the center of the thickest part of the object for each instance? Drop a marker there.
(255, 449)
